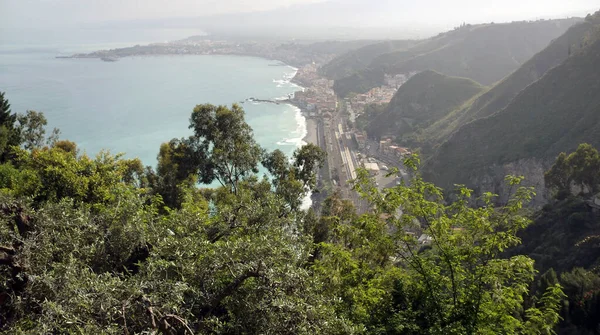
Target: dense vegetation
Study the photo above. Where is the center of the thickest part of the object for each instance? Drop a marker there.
(485, 53)
(103, 245)
(423, 99)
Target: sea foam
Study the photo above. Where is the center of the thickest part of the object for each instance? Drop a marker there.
(301, 130)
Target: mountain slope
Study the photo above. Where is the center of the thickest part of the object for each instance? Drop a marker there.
(554, 114)
(357, 60)
(485, 53)
(501, 94)
(422, 100)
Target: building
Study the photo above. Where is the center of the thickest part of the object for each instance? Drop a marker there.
(373, 168)
(384, 145)
(361, 140)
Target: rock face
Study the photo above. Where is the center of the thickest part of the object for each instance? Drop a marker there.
(493, 179)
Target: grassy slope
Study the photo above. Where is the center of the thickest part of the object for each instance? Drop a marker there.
(554, 114)
(424, 99)
(485, 53)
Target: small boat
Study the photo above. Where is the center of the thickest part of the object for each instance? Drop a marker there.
(109, 59)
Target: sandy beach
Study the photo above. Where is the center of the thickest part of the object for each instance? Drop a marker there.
(311, 132)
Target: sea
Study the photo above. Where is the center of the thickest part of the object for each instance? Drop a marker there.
(133, 105)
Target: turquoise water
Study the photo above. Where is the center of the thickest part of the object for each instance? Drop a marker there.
(135, 104)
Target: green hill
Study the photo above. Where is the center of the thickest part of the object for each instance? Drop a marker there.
(501, 94)
(355, 60)
(425, 98)
(485, 53)
(552, 115)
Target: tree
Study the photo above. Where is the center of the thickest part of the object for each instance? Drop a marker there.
(585, 165)
(307, 160)
(32, 129)
(581, 168)
(9, 135)
(176, 171)
(293, 180)
(224, 145)
(559, 177)
(86, 248)
(454, 280)
(7, 118)
(582, 307)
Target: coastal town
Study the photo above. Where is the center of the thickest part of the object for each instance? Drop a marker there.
(297, 54)
(331, 125)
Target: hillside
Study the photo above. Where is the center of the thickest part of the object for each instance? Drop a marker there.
(357, 60)
(425, 98)
(485, 53)
(552, 115)
(501, 94)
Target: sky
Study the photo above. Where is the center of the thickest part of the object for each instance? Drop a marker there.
(86, 11)
(24, 15)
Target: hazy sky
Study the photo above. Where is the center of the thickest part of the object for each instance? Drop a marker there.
(105, 10)
(49, 13)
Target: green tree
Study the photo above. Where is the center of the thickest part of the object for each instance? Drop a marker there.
(32, 129)
(9, 135)
(176, 171)
(559, 177)
(581, 168)
(453, 277)
(223, 144)
(293, 180)
(585, 165)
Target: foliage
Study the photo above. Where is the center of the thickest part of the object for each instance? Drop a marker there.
(175, 173)
(223, 144)
(581, 168)
(32, 129)
(293, 180)
(88, 246)
(9, 135)
(459, 284)
(52, 174)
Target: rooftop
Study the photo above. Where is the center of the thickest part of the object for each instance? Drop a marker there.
(371, 166)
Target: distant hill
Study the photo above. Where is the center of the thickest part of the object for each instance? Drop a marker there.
(357, 60)
(485, 53)
(425, 98)
(501, 94)
(554, 114)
